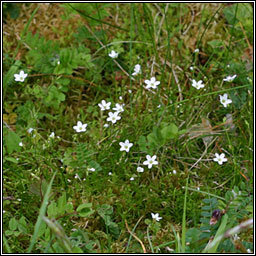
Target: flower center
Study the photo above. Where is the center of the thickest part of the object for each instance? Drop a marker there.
(113, 118)
(126, 147)
(151, 162)
(80, 128)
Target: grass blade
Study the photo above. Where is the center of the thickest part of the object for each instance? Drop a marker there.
(183, 237)
(6, 245)
(150, 244)
(213, 246)
(41, 215)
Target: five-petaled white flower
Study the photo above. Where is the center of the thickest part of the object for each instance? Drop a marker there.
(150, 161)
(152, 83)
(198, 84)
(224, 100)
(125, 146)
(20, 77)
(80, 127)
(52, 135)
(140, 169)
(113, 117)
(119, 108)
(156, 216)
(136, 70)
(229, 78)
(220, 158)
(113, 54)
(104, 105)
(30, 130)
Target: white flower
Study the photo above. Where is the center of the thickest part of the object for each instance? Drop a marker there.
(136, 70)
(120, 98)
(224, 100)
(20, 77)
(196, 50)
(104, 105)
(80, 127)
(21, 144)
(236, 237)
(77, 177)
(150, 161)
(91, 169)
(229, 78)
(156, 216)
(220, 158)
(198, 84)
(152, 83)
(113, 117)
(113, 54)
(130, 91)
(140, 169)
(125, 146)
(52, 135)
(191, 68)
(132, 178)
(174, 172)
(106, 125)
(30, 130)
(235, 194)
(110, 173)
(119, 108)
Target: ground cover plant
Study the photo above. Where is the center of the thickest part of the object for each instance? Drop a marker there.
(127, 128)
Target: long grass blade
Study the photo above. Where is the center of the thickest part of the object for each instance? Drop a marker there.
(41, 214)
(183, 237)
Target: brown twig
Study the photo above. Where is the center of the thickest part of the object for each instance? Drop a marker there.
(142, 245)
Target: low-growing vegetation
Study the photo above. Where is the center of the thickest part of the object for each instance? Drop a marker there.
(127, 128)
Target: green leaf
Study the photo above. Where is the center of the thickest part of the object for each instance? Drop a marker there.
(9, 77)
(11, 159)
(13, 224)
(84, 210)
(142, 142)
(22, 225)
(215, 43)
(52, 210)
(82, 206)
(105, 209)
(169, 132)
(9, 232)
(12, 141)
(62, 202)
